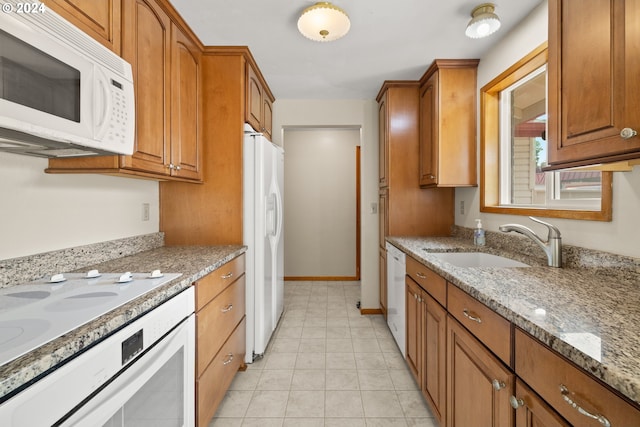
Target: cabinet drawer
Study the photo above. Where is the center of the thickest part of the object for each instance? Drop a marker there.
(492, 329)
(215, 322)
(214, 382)
(545, 372)
(431, 282)
(215, 282)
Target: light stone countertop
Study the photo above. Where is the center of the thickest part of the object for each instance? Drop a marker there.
(194, 262)
(588, 314)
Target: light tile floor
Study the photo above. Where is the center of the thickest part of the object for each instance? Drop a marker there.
(326, 365)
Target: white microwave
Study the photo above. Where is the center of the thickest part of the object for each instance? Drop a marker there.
(62, 94)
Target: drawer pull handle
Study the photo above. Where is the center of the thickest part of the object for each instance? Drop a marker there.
(516, 402)
(421, 275)
(600, 418)
(471, 316)
(228, 275)
(229, 359)
(227, 309)
(498, 385)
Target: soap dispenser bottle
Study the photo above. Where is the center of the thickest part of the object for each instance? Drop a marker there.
(478, 234)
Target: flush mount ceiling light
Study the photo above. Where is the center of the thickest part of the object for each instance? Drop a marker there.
(483, 21)
(323, 22)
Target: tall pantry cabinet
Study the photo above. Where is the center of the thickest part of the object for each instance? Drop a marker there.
(405, 209)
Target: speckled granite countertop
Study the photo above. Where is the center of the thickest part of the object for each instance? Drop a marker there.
(194, 262)
(589, 315)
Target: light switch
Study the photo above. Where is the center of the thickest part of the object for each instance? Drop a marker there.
(373, 209)
(145, 211)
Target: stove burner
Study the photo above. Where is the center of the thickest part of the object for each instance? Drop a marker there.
(22, 330)
(30, 294)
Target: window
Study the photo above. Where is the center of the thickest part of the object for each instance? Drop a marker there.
(514, 152)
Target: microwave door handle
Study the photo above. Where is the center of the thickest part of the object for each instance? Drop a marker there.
(102, 104)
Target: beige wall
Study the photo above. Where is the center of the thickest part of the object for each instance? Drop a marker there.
(619, 236)
(320, 202)
(41, 212)
(356, 113)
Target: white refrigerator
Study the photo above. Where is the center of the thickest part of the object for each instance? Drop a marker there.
(263, 179)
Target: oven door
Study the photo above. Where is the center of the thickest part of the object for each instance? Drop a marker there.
(157, 389)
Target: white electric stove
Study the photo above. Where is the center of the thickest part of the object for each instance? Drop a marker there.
(36, 313)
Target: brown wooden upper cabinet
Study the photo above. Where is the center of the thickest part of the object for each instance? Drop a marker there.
(166, 63)
(594, 96)
(259, 108)
(98, 18)
(448, 124)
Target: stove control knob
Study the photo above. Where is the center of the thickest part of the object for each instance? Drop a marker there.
(57, 278)
(126, 277)
(156, 274)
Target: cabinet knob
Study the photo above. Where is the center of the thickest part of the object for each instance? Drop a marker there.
(177, 167)
(515, 402)
(170, 166)
(432, 177)
(627, 133)
(498, 385)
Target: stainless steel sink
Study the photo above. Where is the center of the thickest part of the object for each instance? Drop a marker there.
(477, 259)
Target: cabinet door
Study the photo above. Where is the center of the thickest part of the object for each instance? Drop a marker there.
(434, 383)
(185, 106)
(267, 117)
(429, 131)
(98, 18)
(254, 100)
(414, 328)
(383, 216)
(532, 411)
(479, 385)
(147, 46)
(594, 59)
(383, 143)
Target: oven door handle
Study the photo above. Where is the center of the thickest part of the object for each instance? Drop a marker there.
(104, 404)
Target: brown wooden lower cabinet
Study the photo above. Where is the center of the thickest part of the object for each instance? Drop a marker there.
(532, 411)
(479, 385)
(476, 369)
(220, 335)
(426, 336)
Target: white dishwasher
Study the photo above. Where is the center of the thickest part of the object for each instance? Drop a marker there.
(396, 270)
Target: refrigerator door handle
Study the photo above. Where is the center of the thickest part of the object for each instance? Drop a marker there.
(272, 214)
(278, 208)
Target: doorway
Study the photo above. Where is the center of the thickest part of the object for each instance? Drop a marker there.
(322, 203)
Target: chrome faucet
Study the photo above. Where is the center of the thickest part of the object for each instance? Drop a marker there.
(552, 247)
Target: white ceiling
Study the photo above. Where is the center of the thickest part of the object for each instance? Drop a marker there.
(389, 40)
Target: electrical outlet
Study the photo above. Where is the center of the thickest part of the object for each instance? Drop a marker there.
(461, 207)
(145, 211)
